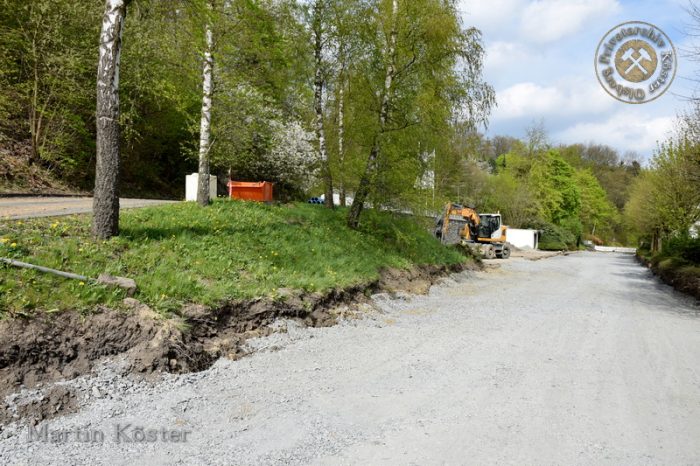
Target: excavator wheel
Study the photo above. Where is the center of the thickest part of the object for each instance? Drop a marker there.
(504, 252)
(489, 252)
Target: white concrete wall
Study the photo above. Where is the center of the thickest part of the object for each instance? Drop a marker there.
(191, 184)
(522, 238)
(336, 199)
(615, 249)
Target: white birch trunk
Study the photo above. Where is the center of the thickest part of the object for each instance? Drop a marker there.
(318, 102)
(341, 136)
(205, 123)
(390, 67)
(106, 195)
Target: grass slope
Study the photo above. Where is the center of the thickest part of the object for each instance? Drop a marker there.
(180, 253)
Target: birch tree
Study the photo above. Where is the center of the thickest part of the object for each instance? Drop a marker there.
(106, 195)
(205, 123)
(421, 77)
(341, 126)
(370, 167)
(345, 17)
(317, 24)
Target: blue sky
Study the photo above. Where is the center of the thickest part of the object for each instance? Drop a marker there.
(540, 61)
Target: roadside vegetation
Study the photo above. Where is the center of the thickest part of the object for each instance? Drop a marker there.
(663, 212)
(182, 254)
(677, 263)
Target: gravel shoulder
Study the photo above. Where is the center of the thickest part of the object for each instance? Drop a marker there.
(580, 359)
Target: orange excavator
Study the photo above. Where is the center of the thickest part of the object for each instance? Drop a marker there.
(484, 233)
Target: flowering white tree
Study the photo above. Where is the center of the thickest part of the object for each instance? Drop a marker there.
(292, 154)
(256, 142)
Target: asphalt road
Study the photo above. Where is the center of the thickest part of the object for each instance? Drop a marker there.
(571, 360)
(28, 207)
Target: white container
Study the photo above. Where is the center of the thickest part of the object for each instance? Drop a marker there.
(192, 184)
(523, 238)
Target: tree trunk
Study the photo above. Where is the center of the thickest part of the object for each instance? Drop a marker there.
(341, 136)
(106, 196)
(33, 111)
(318, 102)
(363, 188)
(205, 124)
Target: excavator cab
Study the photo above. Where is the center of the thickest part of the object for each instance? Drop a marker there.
(490, 226)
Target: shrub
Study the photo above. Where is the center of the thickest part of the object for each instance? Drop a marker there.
(684, 248)
(554, 237)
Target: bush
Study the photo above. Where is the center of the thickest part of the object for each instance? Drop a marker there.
(683, 247)
(554, 237)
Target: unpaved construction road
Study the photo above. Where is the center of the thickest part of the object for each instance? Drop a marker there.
(580, 359)
(28, 207)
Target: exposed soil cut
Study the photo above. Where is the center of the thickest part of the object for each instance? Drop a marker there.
(50, 347)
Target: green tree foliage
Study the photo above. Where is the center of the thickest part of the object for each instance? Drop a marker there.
(555, 190)
(161, 93)
(47, 72)
(436, 80)
(596, 214)
(665, 200)
(552, 182)
(262, 92)
(262, 89)
(641, 214)
(512, 197)
(678, 192)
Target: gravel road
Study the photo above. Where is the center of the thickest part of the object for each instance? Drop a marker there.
(28, 207)
(580, 359)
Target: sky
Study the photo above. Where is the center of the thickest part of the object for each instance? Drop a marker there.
(539, 58)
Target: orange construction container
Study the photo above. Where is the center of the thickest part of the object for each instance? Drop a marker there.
(251, 191)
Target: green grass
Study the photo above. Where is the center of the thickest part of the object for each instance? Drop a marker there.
(231, 250)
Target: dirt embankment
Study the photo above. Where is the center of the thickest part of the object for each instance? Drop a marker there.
(678, 277)
(17, 174)
(51, 347)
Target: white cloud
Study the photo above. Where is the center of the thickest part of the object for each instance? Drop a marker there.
(490, 16)
(550, 20)
(628, 129)
(503, 54)
(569, 98)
